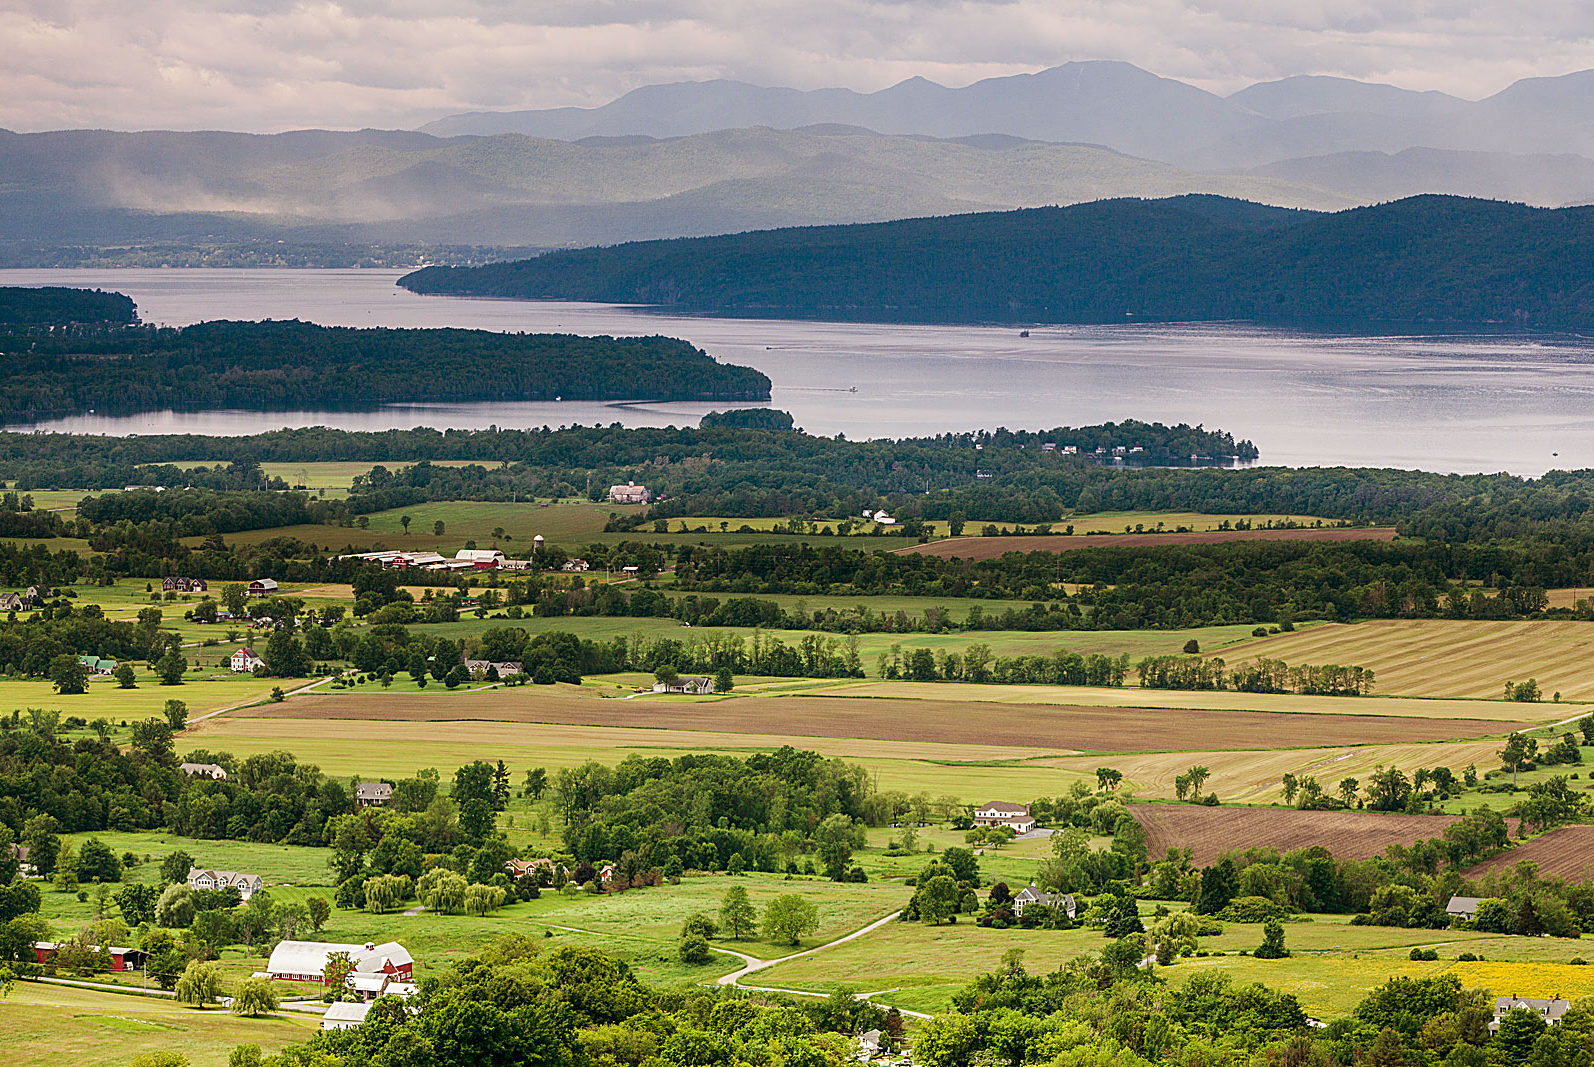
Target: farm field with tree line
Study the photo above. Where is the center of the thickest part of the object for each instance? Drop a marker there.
(1398, 718)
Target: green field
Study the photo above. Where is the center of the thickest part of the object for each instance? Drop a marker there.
(203, 692)
(47, 1025)
(1333, 966)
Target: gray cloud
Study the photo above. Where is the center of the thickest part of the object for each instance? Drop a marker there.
(274, 64)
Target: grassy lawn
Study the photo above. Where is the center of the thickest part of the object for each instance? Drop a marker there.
(46, 1025)
(105, 699)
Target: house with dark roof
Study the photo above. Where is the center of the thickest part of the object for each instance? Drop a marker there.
(1031, 895)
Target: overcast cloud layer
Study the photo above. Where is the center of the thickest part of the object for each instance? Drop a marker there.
(270, 65)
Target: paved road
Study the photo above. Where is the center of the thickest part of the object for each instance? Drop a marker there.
(752, 964)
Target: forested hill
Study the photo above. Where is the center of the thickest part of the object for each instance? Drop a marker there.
(56, 306)
(1425, 260)
(275, 366)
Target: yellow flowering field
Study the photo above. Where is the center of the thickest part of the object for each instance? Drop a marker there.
(1528, 979)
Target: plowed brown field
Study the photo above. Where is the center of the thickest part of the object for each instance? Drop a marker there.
(1567, 852)
(992, 547)
(1039, 726)
(1210, 832)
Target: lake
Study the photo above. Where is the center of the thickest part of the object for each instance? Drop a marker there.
(1523, 404)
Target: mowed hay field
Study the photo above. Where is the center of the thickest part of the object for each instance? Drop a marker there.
(1255, 776)
(966, 722)
(1210, 832)
(993, 547)
(1567, 852)
(1446, 657)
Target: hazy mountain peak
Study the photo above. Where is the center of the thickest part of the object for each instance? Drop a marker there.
(1321, 94)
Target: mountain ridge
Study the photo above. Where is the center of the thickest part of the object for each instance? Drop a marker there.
(1426, 260)
(1112, 103)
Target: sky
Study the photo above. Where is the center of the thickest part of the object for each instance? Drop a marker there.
(270, 65)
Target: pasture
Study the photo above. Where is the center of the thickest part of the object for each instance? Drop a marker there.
(1449, 658)
(46, 1025)
(104, 699)
(1333, 967)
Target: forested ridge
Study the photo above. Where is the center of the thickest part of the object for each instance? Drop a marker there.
(1422, 260)
(283, 365)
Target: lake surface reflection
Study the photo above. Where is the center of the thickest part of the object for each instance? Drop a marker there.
(1523, 404)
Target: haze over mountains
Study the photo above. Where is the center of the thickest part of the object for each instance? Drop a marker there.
(1114, 104)
(513, 190)
(700, 158)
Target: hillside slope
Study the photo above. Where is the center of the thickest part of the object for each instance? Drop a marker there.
(94, 186)
(1429, 260)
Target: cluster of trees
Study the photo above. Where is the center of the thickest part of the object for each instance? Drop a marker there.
(1257, 676)
(555, 597)
(514, 1002)
(33, 646)
(277, 365)
(50, 787)
(712, 812)
(1407, 886)
(976, 663)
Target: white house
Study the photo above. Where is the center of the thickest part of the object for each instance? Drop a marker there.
(306, 961)
(245, 660)
(629, 493)
(1031, 895)
(1463, 908)
(575, 566)
(246, 884)
(1549, 1010)
(372, 794)
(1001, 813)
(882, 516)
(477, 668)
(694, 686)
(215, 772)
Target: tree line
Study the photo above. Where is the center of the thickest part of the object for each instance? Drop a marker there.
(281, 365)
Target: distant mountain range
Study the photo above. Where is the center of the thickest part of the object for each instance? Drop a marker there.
(1426, 261)
(1117, 105)
(702, 158)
